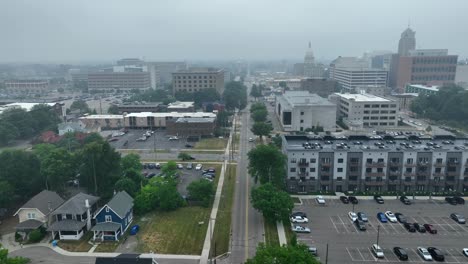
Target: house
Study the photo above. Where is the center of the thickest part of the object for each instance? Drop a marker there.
(73, 218)
(125, 259)
(72, 127)
(114, 218)
(35, 212)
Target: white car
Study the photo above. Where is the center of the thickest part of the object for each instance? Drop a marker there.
(251, 139)
(198, 167)
(143, 138)
(320, 199)
(173, 138)
(352, 216)
(180, 166)
(391, 217)
(424, 254)
(300, 229)
(465, 252)
(299, 219)
(377, 251)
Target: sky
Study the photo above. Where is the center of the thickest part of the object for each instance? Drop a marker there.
(105, 30)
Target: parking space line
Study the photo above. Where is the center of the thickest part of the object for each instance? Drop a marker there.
(351, 255)
(438, 224)
(450, 226)
(372, 254)
(344, 225)
(448, 252)
(334, 225)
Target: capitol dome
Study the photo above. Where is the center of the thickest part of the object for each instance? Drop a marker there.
(309, 57)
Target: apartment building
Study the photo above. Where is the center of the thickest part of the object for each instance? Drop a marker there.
(366, 110)
(103, 121)
(359, 163)
(159, 120)
(27, 86)
(119, 78)
(197, 79)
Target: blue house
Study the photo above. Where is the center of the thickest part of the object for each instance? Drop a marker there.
(114, 218)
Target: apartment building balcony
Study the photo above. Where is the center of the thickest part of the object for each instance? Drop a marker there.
(409, 183)
(325, 164)
(394, 173)
(375, 174)
(374, 183)
(423, 163)
(394, 181)
(453, 163)
(410, 164)
(439, 164)
(354, 163)
(303, 164)
(452, 173)
(354, 173)
(394, 164)
(375, 164)
(325, 173)
(409, 174)
(437, 183)
(438, 174)
(302, 174)
(325, 182)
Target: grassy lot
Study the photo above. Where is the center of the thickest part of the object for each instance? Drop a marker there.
(211, 143)
(223, 219)
(107, 246)
(176, 232)
(271, 233)
(81, 245)
(202, 151)
(296, 200)
(288, 231)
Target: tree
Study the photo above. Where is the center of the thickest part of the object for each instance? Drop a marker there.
(4, 259)
(170, 168)
(282, 255)
(260, 115)
(126, 184)
(113, 109)
(80, 105)
(8, 132)
(255, 91)
(7, 193)
(282, 84)
(169, 198)
(277, 141)
(146, 199)
(257, 106)
(184, 156)
(275, 204)
(201, 190)
(261, 129)
(267, 163)
(222, 119)
(235, 95)
(428, 129)
(130, 162)
(44, 118)
(20, 119)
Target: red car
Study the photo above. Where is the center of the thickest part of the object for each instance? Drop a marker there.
(430, 228)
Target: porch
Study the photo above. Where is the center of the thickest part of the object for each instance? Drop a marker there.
(67, 229)
(107, 231)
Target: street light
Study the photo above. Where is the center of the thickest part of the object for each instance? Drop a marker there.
(378, 234)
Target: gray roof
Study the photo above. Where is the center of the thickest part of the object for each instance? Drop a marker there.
(29, 224)
(195, 120)
(76, 204)
(304, 98)
(74, 126)
(121, 203)
(43, 200)
(66, 225)
(112, 227)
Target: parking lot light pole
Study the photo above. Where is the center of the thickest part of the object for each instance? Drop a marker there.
(353, 207)
(378, 234)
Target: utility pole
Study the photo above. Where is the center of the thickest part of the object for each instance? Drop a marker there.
(94, 174)
(378, 234)
(326, 255)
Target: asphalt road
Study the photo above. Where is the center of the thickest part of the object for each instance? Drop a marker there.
(247, 223)
(331, 225)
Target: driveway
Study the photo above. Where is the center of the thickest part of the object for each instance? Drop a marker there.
(128, 246)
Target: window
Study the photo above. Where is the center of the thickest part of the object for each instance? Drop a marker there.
(302, 121)
(409, 161)
(313, 160)
(293, 160)
(339, 178)
(108, 218)
(302, 113)
(339, 169)
(368, 170)
(107, 209)
(409, 170)
(31, 216)
(369, 160)
(340, 160)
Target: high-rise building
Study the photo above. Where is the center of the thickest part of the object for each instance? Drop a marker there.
(407, 42)
(197, 79)
(27, 86)
(119, 78)
(164, 70)
(130, 61)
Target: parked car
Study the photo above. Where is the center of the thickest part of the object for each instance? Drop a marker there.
(211, 169)
(459, 199)
(141, 138)
(451, 200)
(400, 217)
(362, 216)
(400, 253)
(188, 146)
(300, 229)
(419, 228)
(301, 214)
(409, 227)
(198, 167)
(312, 251)
(430, 228)
(320, 199)
(150, 175)
(352, 216)
(360, 224)
(405, 200)
(113, 139)
(353, 199)
(189, 166)
(382, 218)
(424, 254)
(157, 166)
(180, 166)
(458, 218)
(299, 219)
(151, 166)
(377, 251)
(173, 138)
(391, 217)
(436, 254)
(144, 166)
(465, 252)
(251, 139)
(378, 199)
(344, 199)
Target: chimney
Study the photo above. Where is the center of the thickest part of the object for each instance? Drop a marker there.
(88, 214)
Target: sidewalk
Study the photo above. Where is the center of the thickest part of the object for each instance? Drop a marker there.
(281, 233)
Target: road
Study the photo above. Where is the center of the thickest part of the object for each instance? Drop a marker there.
(247, 223)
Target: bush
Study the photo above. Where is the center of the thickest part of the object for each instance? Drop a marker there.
(36, 236)
(18, 237)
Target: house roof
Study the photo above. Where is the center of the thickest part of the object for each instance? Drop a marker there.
(74, 126)
(44, 201)
(66, 225)
(106, 226)
(124, 259)
(30, 224)
(76, 204)
(121, 203)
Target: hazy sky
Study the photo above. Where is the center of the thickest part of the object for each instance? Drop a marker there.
(99, 30)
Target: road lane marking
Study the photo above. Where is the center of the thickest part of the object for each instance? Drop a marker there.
(334, 225)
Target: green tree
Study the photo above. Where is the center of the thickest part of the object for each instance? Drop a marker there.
(201, 190)
(7, 193)
(428, 129)
(277, 141)
(130, 162)
(146, 200)
(283, 85)
(282, 255)
(126, 184)
(8, 132)
(184, 156)
(21, 119)
(261, 129)
(273, 203)
(4, 259)
(44, 118)
(235, 95)
(267, 163)
(113, 109)
(205, 95)
(260, 115)
(257, 106)
(21, 169)
(256, 91)
(169, 198)
(170, 168)
(222, 119)
(80, 105)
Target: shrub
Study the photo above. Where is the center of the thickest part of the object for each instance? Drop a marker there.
(36, 236)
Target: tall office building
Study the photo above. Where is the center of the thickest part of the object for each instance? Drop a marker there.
(119, 78)
(196, 79)
(407, 42)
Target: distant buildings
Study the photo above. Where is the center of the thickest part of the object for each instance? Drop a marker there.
(119, 78)
(138, 108)
(309, 68)
(130, 62)
(162, 70)
(421, 89)
(378, 90)
(301, 110)
(159, 120)
(407, 42)
(366, 110)
(461, 76)
(291, 83)
(103, 121)
(320, 86)
(197, 79)
(181, 107)
(352, 72)
(191, 126)
(27, 86)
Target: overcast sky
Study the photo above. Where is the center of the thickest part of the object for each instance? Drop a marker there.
(100, 30)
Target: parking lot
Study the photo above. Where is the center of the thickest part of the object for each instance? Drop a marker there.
(330, 224)
(159, 139)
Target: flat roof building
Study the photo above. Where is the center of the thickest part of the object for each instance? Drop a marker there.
(421, 89)
(119, 78)
(181, 107)
(159, 120)
(27, 86)
(193, 126)
(197, 79)
(301, 110)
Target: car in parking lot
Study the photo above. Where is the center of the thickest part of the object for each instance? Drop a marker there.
(180, 166)
(320, 200)
(362, 216)
(419, 228)
(150, 175)
(458, 218)
(198, 167)
(378, 199)
(430, 228)
(143, 138)
(451, 200)
(344, 199)
(400, 217)
(360, 224)
(352, 216)
(301, 214)
(189, 166)
(353, 199)
(424, 254)
(391, 217)
(436, 254)
(157, 166)
(405, 200)
(377, 251)
(188, 146)
(382, 218)
(409, 227)
(300, 229)
(465, 252)
(173, 138)
(400, 253)
(151, 166)
(251, 139)
(299, 219)
(312, 251)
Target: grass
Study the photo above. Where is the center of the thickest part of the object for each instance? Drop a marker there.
(202, 151)
(176, 232)
(288, 231)
(107, 246)
(81, 245)
(222, 230)
(271, 233)
(296, 200)
(211, 143)
(236, 141)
